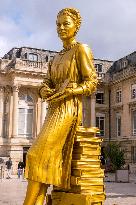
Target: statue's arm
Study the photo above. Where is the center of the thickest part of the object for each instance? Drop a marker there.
(86, 70)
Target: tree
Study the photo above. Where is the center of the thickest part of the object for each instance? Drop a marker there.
(115, 155)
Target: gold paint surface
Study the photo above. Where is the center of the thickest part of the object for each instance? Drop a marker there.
(85, 157)
(85, 189)
(87, 150)
(71, 74)
(88, 173)
(90, 130)
(62, 198)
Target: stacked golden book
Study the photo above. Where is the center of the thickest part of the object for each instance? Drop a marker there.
(87, 175)
(87, 185)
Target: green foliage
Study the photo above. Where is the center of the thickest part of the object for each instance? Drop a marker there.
(115, 155)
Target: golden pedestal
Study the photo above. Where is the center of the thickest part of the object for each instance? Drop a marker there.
(87, 186)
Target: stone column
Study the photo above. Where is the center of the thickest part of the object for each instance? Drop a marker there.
(10, 115)
(43, 111)
(93, 115)
(1, 109)
(88, 110)
(15, 112)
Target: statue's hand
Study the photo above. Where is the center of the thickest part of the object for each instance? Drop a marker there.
(46, 92)
(69, 91)
(57, 96)
(74, 91)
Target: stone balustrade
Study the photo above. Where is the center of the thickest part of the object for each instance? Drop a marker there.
(31, 65)
(124, 74)
(24, 65)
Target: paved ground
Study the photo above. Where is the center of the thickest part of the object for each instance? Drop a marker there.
(12, 192)
(120, 194)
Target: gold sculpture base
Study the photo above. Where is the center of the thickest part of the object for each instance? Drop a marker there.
(87, 186)
(62, 198)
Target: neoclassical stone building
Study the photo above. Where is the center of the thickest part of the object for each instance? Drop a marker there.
(122, 83)
(116, 103)
(22, 112)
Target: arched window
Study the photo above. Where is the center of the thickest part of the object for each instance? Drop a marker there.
(25, 55)
(46, 58)
(33, 57)
(27, 98)
(26, 114)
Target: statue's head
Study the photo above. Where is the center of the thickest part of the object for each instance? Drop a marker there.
(68, 23)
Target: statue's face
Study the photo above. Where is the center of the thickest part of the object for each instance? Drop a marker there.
(65, 27)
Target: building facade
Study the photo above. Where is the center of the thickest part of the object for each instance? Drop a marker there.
(122, 83)
(22, 112)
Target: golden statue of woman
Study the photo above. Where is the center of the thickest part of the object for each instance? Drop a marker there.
(71, 74)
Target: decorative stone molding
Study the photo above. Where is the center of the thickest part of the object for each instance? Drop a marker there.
(8, 89)
(117, 107)
(132, 106)
(104, 109)
(29, 91)
(1, 88)
(123, 75)
(15, 88)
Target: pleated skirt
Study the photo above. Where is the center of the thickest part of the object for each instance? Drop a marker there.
(45, 160)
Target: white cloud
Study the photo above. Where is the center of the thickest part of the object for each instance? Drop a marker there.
(108, 26)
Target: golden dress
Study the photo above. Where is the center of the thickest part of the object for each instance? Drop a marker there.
(49, 158)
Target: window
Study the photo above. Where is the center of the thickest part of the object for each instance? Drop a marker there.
(118, 124)
(46, 58)
(25, 121)
(26, 112)
(18, 53)
(118, 96)
(98, 68)
(100, 123)
(123, 63)
(26, 98)
(33, 57)
(25, 55)
(100, 97)
(133, 154)
(51, 57)
(29, 98)
(133, 91)
(134, 122)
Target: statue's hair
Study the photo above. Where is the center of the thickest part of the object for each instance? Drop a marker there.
(74, 14)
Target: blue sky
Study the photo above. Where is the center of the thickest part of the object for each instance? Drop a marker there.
(108, 26)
